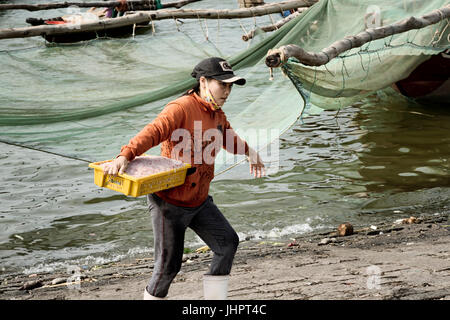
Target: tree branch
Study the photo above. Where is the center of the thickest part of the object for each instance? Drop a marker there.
(277, 56)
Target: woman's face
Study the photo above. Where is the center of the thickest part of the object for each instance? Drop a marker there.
(218, 89)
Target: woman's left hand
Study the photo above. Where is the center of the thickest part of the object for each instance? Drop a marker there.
(256, 164)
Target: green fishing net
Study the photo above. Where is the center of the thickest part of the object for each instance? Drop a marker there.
(374, 66)
(87, 100)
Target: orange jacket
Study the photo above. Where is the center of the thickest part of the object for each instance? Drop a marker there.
(187, 113)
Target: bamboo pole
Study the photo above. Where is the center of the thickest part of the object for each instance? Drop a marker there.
(103, 4)
(148, 16)
(274, 26)
(277, 56)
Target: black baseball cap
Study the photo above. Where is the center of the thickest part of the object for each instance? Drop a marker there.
(216, 68)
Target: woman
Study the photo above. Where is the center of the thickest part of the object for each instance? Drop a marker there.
(191, 128)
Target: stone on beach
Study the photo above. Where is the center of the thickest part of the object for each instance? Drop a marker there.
(345, 229)
(410, 220)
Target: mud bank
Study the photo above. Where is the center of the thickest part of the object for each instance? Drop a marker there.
(389, 261)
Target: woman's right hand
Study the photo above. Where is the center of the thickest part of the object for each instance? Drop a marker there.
(118, 165)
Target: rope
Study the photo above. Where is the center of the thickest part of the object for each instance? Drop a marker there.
(273, 22)
(242, 27)
(44, 151)
(218, 27)
(253, 14)
(176, 23)
(153, 25)
(442, 33)
(207, 31)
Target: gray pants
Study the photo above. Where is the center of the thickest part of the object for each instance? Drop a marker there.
(169, 226)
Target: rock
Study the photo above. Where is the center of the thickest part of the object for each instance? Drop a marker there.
(325, 241)
(58, 280)
(30, 285)
(345, 229)
(412, 220)
(362, 195)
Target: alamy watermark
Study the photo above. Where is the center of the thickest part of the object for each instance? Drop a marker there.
(372, 18)
(74, 17)
(373, 277)
(74, 280)
(200, 146)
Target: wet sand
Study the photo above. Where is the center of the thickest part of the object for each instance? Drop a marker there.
(395, 261)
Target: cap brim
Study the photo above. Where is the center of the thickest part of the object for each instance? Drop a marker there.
(233, 79)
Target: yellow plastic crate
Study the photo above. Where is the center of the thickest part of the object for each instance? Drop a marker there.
(135, 187)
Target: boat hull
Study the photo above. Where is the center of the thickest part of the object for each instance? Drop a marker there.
(120, 32)
(429, 82)
(85, 35)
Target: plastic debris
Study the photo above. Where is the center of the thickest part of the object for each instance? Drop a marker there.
(325, 241)
(203, 249)
(58, 280)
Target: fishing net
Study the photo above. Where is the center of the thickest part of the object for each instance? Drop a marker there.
(85, 101)
(374, 66)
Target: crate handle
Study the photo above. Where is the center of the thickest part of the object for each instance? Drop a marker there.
(191, 171)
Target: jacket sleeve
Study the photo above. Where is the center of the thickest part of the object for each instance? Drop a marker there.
(159, 130)
(232, 142)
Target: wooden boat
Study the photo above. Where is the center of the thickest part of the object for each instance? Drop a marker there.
(83, 35)
(117, 32)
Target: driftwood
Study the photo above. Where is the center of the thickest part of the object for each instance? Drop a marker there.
(277, 56)
(274, 26)
(140, 17)
(132, 4)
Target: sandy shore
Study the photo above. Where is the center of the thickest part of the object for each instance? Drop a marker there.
(395, 261)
